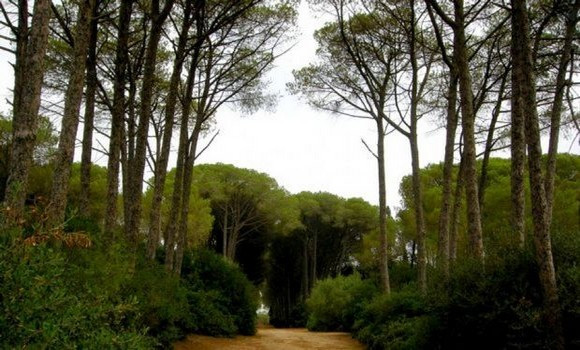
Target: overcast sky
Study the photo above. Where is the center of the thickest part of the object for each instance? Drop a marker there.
(304, 149)
(308, 150)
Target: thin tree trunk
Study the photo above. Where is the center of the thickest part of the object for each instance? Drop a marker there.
(489, 143)
(70, 120)
(314, 272)
(383, 253)
(178, 184)
(518, 152)
(416, 174)
(117, 117)
(555, 113)
(29, 75)
(225, 233)
(90, 95)
(163, 159)
(138, 165)
(305, 279)
(21, 56)
(525, 80)
(187, 181)
(444, 216)
(468, 124)
(455, 213)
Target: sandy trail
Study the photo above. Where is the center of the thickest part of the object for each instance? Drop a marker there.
(275, 339)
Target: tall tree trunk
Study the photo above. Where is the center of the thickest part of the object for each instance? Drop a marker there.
(518, 151)
(416, 175)
(305, 279)
(383, 252)
(90, 95)
(314, 272)
(163, 159)
(187, 181)
(29, 76)
(21, 56)
(137, 169)
(525, 80)
(555, 113)
(182, 152)
(468, 124)
(117, 117)
(225, 233)
(444, 215)
(70, 119)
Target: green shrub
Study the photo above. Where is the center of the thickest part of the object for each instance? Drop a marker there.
(334, 302)
(162, 302)
(397, 321)
(45, 305)
(222, 301)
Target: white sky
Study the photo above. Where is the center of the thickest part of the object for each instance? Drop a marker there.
(304, 149)
(308, 150)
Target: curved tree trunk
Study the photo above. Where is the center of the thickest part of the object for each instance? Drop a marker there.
(489, 142)
(70, 119)
(555, 113)
(468, 124)
(137, 169)
(163, 159)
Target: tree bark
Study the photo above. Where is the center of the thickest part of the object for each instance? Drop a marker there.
(70, 120)
(117, 117)
(416, 174)
(525, 80)
(518, 150)
(383, 250)
(468, 124)
(556, 111)
(137, 169)
(305, 279)
(163, 159)
(225, 233)
(29, 76)
(89, 118)
(444, 215)
(182, 153)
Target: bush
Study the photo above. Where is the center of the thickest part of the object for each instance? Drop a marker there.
(334, 302)
(162, 302)
(397, 321)
(44, 305)
(222, 302)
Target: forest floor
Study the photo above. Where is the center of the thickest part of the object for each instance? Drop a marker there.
(275, 339)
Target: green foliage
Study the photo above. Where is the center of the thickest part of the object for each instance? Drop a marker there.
(496, 206)
(162, 302)
(498, 308)
(98, 195)
(396, 321)
(334, 302)
(48, 301)
(200, 220)
(221, 299)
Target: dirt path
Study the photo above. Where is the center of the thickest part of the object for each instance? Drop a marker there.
(275, 339)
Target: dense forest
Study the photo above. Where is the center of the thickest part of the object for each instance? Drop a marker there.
(135, 244)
